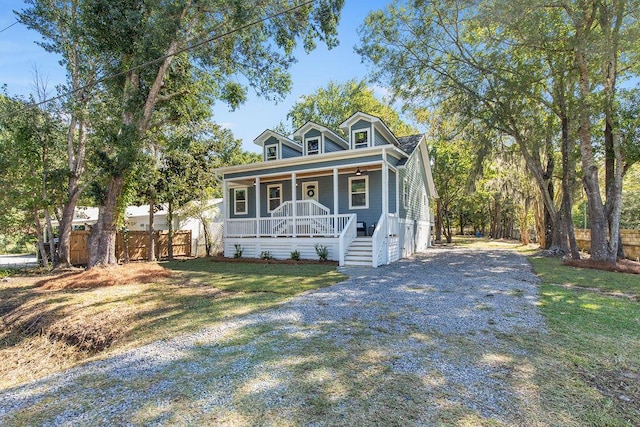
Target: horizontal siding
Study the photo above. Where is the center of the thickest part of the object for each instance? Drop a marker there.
(378, 139)
(331, 146)
(418, 206)
(370, 215)
(251, 203)
(288, 152)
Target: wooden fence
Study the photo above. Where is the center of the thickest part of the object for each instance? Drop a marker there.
(137, 245)
(630, 242)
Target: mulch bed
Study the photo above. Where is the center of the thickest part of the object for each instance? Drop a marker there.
(622, 266)
(273, 261)
(125, 274)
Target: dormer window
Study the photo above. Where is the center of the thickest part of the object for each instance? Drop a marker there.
(313, 146)
(361, 138)
(272, 152)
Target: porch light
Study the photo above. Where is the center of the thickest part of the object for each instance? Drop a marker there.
(358, 172)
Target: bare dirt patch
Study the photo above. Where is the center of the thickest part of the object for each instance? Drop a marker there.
(622, 266)
(621, 385)
(135, 273)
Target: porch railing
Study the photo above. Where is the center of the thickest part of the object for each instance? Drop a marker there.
(288, 226)
(303, 208)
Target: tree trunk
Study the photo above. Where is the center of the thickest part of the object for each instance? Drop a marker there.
(65, 225)
(51, 236)
(152, 237)
(438, 224)
(207, 235)
(102, 240)
(44, 259)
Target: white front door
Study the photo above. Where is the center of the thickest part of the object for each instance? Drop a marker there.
(310, 191)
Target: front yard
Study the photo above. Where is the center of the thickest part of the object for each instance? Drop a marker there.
(46, 329)
(583, 370)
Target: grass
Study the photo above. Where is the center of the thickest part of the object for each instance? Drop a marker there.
(588, 365)
(45, 331)
(552, 271)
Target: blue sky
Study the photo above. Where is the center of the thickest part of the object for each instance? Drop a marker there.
(20, 56)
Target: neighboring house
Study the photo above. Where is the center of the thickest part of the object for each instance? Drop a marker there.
(365, 198)
(137, 219)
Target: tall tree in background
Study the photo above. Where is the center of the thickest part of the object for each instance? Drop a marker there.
(58, 23)
(495, 64)
(138, 41)
(30, 153)
(334, 103)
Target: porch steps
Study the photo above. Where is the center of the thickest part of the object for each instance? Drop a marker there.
(360, 252)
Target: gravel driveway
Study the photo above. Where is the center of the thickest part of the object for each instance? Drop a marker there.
(429, 340)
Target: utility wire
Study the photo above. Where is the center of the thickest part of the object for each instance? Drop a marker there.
(9, 26)
(159, 59)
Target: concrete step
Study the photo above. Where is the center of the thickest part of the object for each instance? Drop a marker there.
(357, 263)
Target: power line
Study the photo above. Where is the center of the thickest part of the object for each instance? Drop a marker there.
(159, 59)
(9, 26)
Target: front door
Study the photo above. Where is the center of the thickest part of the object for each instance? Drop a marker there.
(310, 191)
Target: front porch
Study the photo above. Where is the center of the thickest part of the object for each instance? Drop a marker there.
(303, 226)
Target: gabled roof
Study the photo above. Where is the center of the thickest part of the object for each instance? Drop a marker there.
(323, 129)
(261, 139)
(376, 121)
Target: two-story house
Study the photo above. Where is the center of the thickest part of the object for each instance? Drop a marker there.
(365, 196)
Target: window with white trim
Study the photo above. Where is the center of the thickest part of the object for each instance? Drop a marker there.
(271, 152)
(405, 193)
(313, 145)
(240, 201)
(274, 197)
(360, 138)
(358, 192)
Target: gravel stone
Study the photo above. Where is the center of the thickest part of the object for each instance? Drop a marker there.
(441, 317)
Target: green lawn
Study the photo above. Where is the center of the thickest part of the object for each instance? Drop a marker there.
(588, 365)
(51, 330)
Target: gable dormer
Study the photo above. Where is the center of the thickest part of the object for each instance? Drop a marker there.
(317, 139)
(365, 130)
(276, 146)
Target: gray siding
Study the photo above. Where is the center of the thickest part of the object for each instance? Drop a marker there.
(414, 173)
(331, 146)
(311, 134)
(288, 152)
(325, 190)
(270, 141)
(251, 203)
(370, 215)
(378, 139)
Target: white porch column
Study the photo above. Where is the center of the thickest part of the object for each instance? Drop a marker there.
(397, 193)
(385, 183)
(335, 200)
(225, 206)
(257, 189)
(294, 210)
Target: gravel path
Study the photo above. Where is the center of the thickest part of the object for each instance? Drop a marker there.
(432, 339)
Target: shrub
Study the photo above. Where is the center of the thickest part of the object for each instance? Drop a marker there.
(295, 255)
(239, 250)
(322, 251)
(266, 255)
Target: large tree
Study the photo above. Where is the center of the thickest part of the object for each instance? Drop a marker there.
(59, 25)
(151, 52)
(332, 104)
(515, 66)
